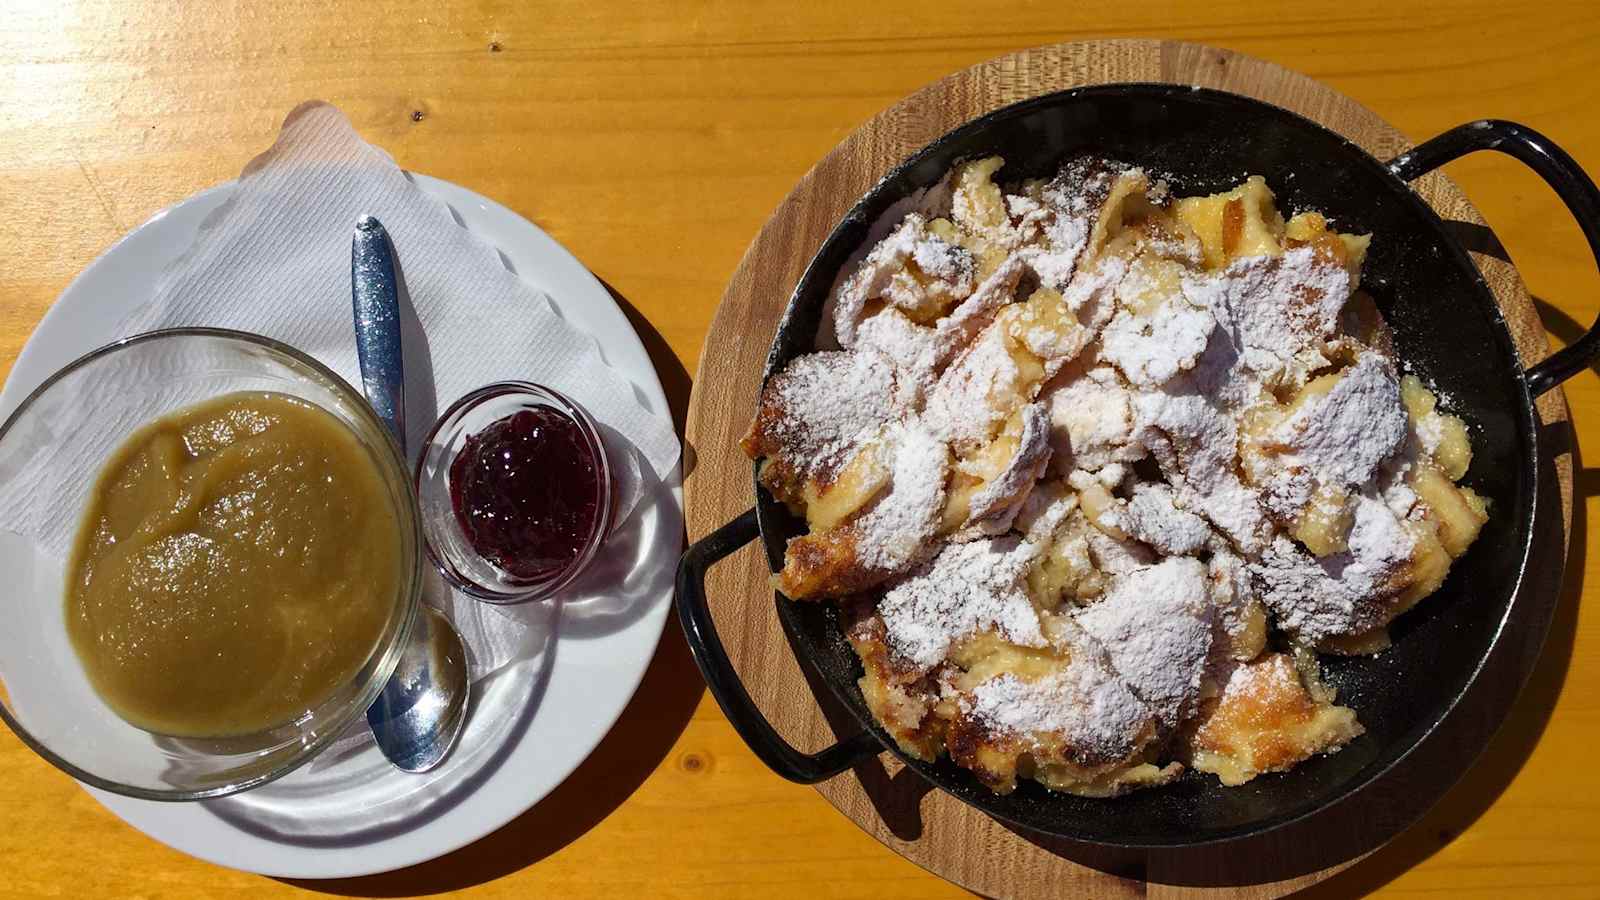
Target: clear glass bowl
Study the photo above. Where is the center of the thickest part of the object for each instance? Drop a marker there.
(51, 451)
(452, 553)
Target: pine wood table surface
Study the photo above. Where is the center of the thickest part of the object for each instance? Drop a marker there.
(653, 140)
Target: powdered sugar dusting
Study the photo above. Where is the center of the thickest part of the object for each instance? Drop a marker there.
(1197, 444)
(896, 530)
(947, 272)
(1091, 420)
(914, 350)
(1155, 624)
(1154, 517)
(1344, 435)
(1062, 219)
(823, 405)
(995, 505)
(1117, 556)
(969, 399)
(1085, 702)
(1150, 350)
(1341, 594)
(1277, 310)
(967, 588)
(1232, 590)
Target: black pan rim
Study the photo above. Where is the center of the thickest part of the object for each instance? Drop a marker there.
(1527, 426)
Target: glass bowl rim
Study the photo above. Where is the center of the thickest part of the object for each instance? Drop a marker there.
(385, 652)
(605, 486)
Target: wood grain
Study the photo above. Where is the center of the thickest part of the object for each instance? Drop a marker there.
(932, 828)
(653, 139)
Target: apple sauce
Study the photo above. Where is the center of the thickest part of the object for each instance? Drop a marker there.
(237, 563)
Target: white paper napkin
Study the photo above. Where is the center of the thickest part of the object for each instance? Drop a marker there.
(275, 260)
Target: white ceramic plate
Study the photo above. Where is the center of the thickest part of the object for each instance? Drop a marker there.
(532, 724)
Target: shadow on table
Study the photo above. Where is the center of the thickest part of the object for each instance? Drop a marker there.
(643, 735)
(1511, 746)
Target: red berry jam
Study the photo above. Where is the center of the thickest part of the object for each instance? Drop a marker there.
(524, 490)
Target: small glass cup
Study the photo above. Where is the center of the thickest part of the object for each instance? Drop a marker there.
(448, 546)
(51, 451)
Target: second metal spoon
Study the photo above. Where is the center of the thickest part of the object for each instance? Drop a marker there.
(419, 714)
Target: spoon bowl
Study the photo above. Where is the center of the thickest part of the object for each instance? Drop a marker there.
(417, 718)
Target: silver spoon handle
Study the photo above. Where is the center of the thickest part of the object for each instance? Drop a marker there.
(375, 296)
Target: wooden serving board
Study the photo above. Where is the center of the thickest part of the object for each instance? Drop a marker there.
(893, 804)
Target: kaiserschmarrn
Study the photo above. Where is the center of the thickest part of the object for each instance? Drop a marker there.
(1095, 473)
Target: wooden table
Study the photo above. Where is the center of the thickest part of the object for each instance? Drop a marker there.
(653, 140)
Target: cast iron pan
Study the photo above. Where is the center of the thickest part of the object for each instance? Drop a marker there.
(1447, 326)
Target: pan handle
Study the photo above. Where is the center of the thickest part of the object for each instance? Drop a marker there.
(712, 658)
(1561, 172)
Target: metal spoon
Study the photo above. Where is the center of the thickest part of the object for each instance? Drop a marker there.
(419, 715)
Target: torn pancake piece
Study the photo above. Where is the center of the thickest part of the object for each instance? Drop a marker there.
(1062, 716)
(1155, 624)
(815, 412)
(887, 537)
(1266, 719)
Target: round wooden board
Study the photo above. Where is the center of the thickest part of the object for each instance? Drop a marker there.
(893, 804)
